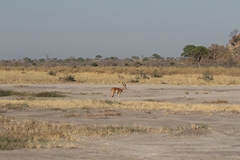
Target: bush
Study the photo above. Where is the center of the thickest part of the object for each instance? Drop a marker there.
(94, 64)
(67, 78)
(51, 73)
(207, 76)
(156, 74)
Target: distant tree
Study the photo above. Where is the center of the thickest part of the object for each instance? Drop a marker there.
(145, 59)
(188, 50)
(28, 60)
(60, 60)
(87, 60)
(80, 59)
(199, 52)
(98, 57)
(114, 58)
(135, 57)
(41, 60)
(196, 52)
(67, 60)
(156, 56)
(72, 58)
(218, 53)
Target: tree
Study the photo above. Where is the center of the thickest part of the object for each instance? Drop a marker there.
(218, 54)
(156, 56)
(145, 59)
(196, 52)
(188, 50)
(28, 60)
(80, 59)
(87, 60)
(98, 57)
(41, 60)
(135, 58)
(114, 58)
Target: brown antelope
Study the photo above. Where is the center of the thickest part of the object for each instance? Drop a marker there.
(118, 90)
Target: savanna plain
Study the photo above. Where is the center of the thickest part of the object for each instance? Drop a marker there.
(165, 113)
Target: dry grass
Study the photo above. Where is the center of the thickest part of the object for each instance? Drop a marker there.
(42, 134)
(113, 75)
(132, 105)
(39, 94)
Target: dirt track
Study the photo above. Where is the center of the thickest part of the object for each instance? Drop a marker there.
(221, 141)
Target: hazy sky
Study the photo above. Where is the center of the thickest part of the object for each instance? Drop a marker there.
(122, 28)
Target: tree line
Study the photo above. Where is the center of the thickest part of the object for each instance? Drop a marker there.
(192, 56)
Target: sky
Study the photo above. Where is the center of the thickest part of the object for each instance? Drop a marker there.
(122, 28)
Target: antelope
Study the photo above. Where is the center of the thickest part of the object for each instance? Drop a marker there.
(118, 90)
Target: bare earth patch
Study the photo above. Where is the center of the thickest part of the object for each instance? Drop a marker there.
(185, 135)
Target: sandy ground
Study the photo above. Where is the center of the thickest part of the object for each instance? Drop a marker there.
(221, 141)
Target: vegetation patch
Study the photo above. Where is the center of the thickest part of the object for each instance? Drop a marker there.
(12, 106)
(48, 94)
(42, 134)
(207, 76)
(195, 129)
(216, 101)
(52, 73)
(11, 93)
(40, 94)
(68, 78)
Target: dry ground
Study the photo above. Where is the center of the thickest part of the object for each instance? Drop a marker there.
(221, 140)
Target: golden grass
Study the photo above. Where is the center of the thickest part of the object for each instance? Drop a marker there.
(132, 105)
(126, 70)
(113, 75)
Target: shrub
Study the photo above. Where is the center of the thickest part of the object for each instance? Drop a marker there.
(67, 78)
(207, 76)
(94, 64)
(51, 73)
(156, 74)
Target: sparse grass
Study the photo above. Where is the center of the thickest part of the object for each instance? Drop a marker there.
(42, 134)
(199, 126)
(112, 114)
(133, 105)
(83, 93)
(16, 106)
(11, 93)
(96, 93)
(71, 115)
(48, 94)
(216, 101)
(33, 134)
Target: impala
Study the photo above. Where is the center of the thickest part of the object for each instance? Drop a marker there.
(118, 90)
